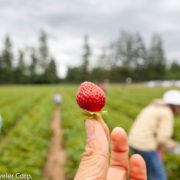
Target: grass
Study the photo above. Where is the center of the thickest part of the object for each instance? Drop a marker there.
(123, 105)
(27, 112)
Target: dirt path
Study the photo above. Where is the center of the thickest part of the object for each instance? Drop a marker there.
(56, 158)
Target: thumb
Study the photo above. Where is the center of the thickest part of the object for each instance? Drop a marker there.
(94, 161)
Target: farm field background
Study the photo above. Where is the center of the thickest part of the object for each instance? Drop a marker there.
(28, 110)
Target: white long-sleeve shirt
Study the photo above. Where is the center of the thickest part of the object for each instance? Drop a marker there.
(153, 127)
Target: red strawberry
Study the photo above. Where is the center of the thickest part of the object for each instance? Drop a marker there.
(90, 97)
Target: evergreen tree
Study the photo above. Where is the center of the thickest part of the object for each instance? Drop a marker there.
(19, 73)
(101, 70)
(156, 62)
(128, 51)
(81, 73)
(86, 55)
(139, 50)
(99, 74)
(174, 71)
(1, 69)
(6, 75)
(139, 73)
(128, 54)
(51, 72)
(33, 67)
(43, 52)
(73, 75)
(103, 60)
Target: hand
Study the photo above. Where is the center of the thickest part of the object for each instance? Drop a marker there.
(175, 148)
(94, 163)
(175, 144)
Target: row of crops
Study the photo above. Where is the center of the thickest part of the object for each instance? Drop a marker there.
(123, 105)
(27, 112)
(25, 137)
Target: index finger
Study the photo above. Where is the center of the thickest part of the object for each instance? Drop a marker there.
(104, 126)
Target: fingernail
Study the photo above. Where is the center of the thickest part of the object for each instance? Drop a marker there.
(89, 128)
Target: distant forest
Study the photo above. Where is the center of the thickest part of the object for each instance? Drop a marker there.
(126, 57)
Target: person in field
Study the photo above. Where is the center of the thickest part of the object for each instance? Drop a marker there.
(57, 98)
(102, 86)
(152, 130)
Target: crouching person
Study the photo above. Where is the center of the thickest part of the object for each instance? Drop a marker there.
(153, 130)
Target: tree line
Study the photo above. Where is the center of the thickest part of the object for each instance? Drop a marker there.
(40, 69)
(126, 57)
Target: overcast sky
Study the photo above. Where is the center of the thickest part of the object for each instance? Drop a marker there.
(67, 21)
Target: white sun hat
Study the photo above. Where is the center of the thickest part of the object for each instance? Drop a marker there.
(172, 97)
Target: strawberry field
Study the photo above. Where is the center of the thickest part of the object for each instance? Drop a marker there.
(28, 110)
(123, 105)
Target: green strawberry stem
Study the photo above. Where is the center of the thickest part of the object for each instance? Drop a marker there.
(94, 115)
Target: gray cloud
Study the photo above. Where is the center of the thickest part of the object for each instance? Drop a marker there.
(67, 21)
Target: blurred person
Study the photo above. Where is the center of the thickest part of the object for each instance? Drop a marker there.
(57, 98)
(152, 131)
(94, 163)
(106, 83)
(102, 86)
(128, 80)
